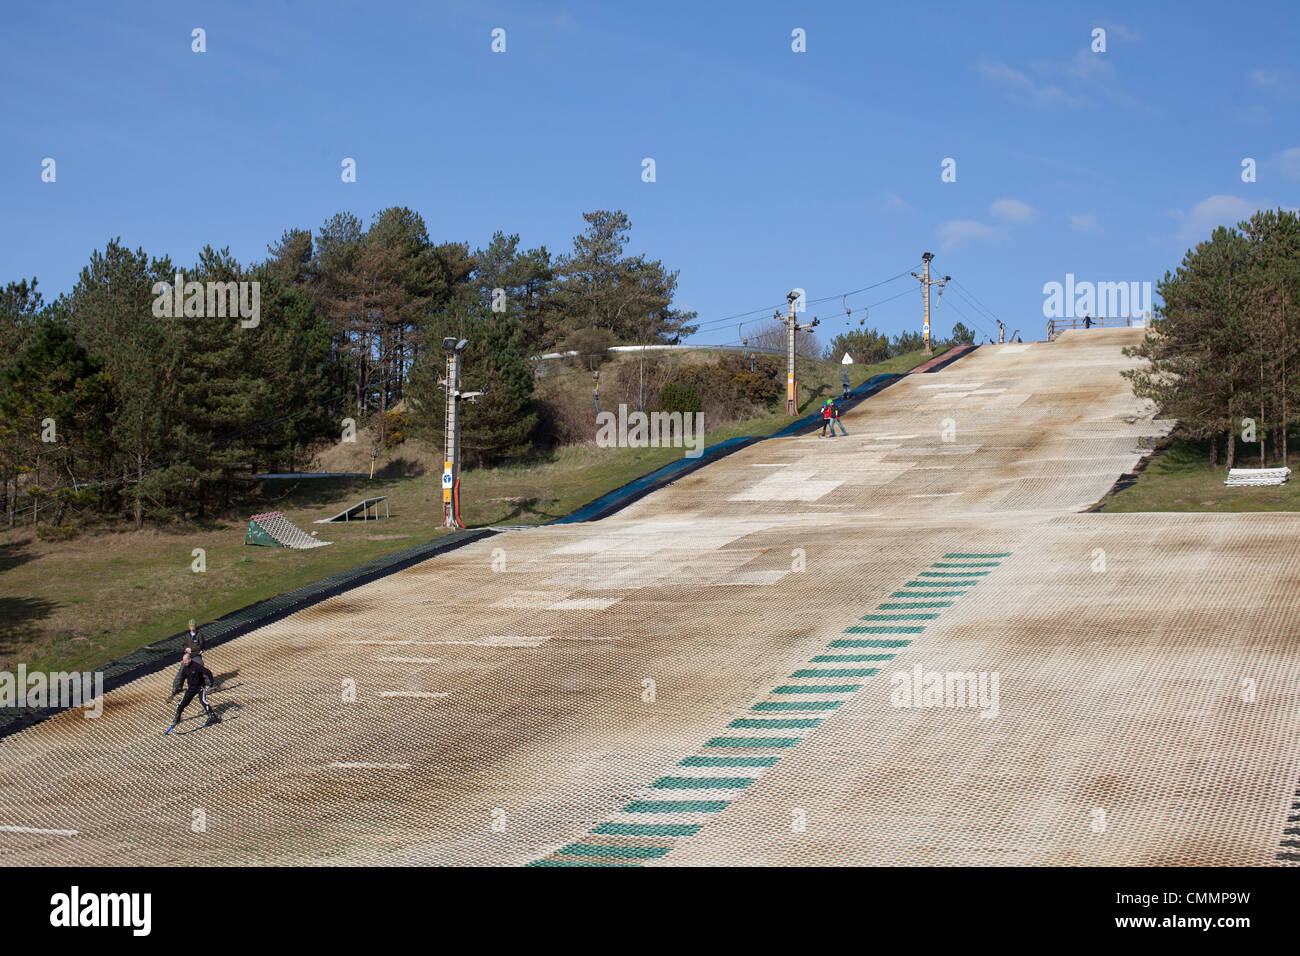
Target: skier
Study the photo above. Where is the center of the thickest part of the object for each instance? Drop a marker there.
(193, 647)
(198, 679)
(835, 420)
(195, 639)
(826, 418)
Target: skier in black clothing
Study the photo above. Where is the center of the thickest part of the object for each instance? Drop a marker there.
(193, 647)
(198, 678)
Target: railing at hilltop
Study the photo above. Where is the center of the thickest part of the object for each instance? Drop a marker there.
(673, 348)
(1056, 326)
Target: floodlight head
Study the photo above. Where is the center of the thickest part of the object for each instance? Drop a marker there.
(460, 346)
(449, 344)
(792, 296)
(927, 256)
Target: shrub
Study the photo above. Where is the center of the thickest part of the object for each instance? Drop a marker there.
(393, 429)
(46, 532)
(677, 397)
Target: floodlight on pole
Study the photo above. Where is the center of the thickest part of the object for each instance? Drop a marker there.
(792, 329)
(926, 282)
(451, 457)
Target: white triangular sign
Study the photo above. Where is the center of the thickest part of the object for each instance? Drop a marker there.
(847, 360)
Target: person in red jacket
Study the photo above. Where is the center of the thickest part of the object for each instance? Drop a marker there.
(835, 420)
(826, 413)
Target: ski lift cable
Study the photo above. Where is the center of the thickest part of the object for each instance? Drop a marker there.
(839, 295)
(978, 320)
(972, 304)
(985, 309)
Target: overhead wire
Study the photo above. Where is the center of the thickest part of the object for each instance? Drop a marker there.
(837, 295)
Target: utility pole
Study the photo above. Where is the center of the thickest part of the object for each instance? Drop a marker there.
(926, 282)
(792, 327)
(451, 450)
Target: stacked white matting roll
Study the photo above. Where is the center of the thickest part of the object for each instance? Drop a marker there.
(1239, 477)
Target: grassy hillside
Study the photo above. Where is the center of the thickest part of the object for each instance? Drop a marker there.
(1180, 479)
(83, 602)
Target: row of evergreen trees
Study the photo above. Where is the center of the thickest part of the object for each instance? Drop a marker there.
(869, 346)
(1223, 346)
(106, 407)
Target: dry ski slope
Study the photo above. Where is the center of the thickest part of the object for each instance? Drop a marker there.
(709, 677)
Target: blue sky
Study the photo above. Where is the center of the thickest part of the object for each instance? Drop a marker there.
(774, 169)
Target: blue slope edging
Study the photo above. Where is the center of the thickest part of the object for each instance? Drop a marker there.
(868, 388)
(621, 497)
(165, 653)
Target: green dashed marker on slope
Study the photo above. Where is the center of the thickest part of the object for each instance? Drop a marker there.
(898, 617)
(648, 829)
(676, 806)
(913, 605)
(872, 642)
(755, 742)
(579, 863)
(702, 783)
(624, 852)
(957, 581)
(796, 705)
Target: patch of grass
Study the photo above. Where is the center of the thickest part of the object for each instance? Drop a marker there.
(1180, 479)
(80, 603)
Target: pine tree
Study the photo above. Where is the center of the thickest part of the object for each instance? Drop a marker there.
(600, 288)
(112, 316)
(52, 390)
(499, 426)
